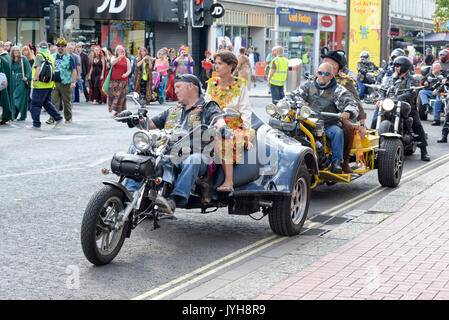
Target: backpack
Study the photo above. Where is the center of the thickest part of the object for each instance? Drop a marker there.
(46, 72)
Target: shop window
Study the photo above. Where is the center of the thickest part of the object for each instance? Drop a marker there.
(129, 34)
(228, 32)
(8, 30)
(220, 31)
(29, 31)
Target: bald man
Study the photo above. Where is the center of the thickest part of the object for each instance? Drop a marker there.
(324, 94)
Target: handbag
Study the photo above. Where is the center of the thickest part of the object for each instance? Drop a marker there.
(105, 88)
(3, 81)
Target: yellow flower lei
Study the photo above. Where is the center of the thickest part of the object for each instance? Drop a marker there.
(224, 95)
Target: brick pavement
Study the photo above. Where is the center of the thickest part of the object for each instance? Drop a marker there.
(406, 257)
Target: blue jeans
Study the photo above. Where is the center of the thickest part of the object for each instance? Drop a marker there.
(335, 135)
(42, 98)
(76, 93)
(191, 168)
(362, 89)
(277, 93)
(438, 107)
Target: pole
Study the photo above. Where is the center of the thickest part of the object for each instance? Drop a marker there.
(61, 19)
(423, 34)
(189, 26)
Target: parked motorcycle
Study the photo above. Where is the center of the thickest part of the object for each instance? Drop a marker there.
(274, 178)
(394, 118)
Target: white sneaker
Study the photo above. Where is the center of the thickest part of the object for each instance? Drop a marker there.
(32, 128)
(57, 124)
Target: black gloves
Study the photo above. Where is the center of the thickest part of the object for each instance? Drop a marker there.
(126, 116)
(226, 133)
(125, 113)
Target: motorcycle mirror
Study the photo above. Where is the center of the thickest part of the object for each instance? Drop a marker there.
(134, 96)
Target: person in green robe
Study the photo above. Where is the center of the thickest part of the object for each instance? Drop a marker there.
(5, 98)
(20, 80)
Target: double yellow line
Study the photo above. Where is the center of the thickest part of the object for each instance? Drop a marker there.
(268, 242)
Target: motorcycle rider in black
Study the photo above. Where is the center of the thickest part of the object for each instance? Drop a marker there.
(402, 79)
(363, 67)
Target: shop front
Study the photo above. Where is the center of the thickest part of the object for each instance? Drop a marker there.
(107, 23)
(299, 35)
(244, 26)
(326, 23)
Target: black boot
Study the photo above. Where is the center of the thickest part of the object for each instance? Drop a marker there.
(443, 138)
(424, 155)
(436, 123)
(336, 167)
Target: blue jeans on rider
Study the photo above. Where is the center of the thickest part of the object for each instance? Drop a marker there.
(190, 169)
(438, 107)
(362, 89)
(335, 135)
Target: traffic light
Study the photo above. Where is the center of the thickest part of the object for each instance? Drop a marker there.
(50, 14)
(198, 14)
(178, 9)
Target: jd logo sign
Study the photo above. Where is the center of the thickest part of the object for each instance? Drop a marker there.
(217, 11)
(113, 8)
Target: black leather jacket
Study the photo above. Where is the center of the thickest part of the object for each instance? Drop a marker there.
(331, 98)
(405, 82)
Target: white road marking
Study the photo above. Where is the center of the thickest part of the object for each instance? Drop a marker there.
(96, 163)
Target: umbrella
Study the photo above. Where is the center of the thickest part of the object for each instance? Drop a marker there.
(434, 39)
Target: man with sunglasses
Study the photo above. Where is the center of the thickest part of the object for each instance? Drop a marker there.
(324, 94)
(192, 110)
(343, 76)
(65, 80)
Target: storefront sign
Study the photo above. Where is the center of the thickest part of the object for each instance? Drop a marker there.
(217, 11)
(137, 10)
(395, 32)
(300, 19)
(285, 11)
(327, 22)
(113, 8)
(364, 30)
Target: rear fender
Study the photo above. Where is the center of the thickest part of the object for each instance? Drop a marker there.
(391, 135)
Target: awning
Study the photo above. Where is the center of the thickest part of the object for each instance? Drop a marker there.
(434, 39)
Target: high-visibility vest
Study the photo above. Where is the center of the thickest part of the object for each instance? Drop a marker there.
(280, 74)
(40, 84)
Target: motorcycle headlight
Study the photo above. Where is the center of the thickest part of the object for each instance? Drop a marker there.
(305, 112)
(271, 109)
(388, 105)
(141, 141)
(283, 109)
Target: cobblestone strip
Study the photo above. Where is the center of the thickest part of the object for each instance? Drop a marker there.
(404, 257)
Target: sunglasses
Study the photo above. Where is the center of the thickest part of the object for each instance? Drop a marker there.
(325, 73)
(61, 46)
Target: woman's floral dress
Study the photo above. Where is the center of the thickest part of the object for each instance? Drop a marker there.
(234, 97)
